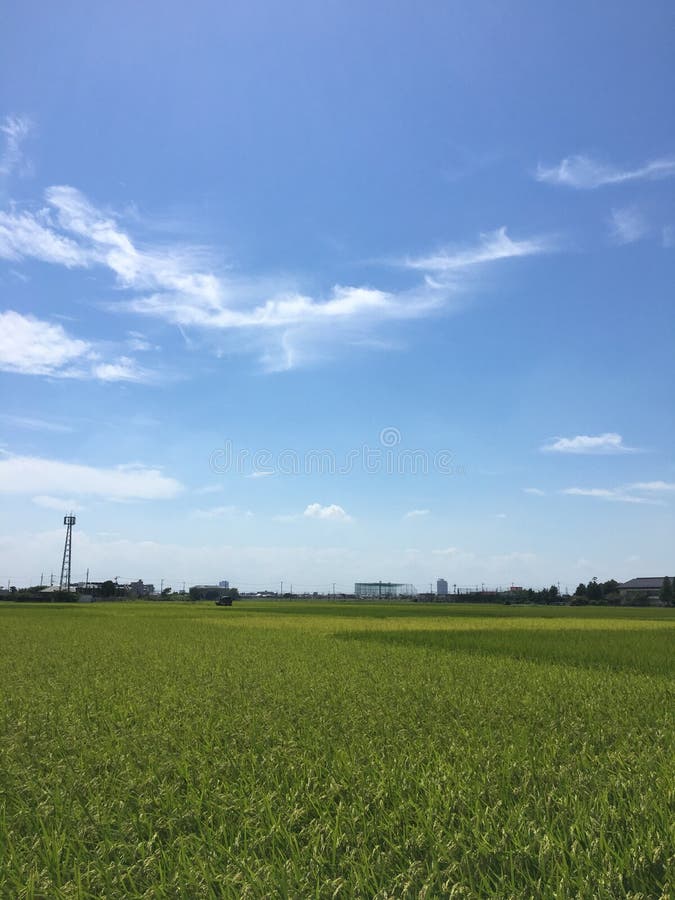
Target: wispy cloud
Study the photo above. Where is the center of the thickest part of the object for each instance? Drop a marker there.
(494, 245)
(652, 486)
(14, 129)
(188, 287)
(50, 477)
(583, 172)
(537, 492)
(608, 443)
(619, 495)
(639, 492)
(34, 424)
(30, 346)
(221, 512)
(416, 513)
(60, 504)
(627, 225)
(332, 513)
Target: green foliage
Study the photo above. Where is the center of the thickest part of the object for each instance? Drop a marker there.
(108, 589)
(666, 595)
(325, 750)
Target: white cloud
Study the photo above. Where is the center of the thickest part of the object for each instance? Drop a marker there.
(221, 512)
(285, 326)
(36, 475)
(652, 486)
(15, 129)
(627, 225)
(608, 443)
(31, 346)
(537, 492)
(35, 424)
(333, 513)
(515, 557)
(500, 516)
(583, 172)
(57, 503)
(124, 369)
(30, 235)
(615, 494)
(35, 347)
(416, 513)
(493, 246)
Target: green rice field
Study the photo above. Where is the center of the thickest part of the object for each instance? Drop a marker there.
(177, 750)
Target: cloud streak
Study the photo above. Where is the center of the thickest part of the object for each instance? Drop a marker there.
(50, 477)
(493, 246)
(280, 322)
(15, 129)
(585, 173)
(601, 444)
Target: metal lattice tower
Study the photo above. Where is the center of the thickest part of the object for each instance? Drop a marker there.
(64, 584)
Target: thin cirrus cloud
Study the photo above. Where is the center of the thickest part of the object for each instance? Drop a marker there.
(174, 283)
(50, 477)
(619, 495)
(585, 173)
(627, 225)
(221, 512)
(536, 492)
(417, 513)
(60, 504)
(601, 444)
(14, 129)
(31, 346)
(493, 246)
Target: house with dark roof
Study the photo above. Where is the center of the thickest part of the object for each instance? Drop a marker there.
(641, 587)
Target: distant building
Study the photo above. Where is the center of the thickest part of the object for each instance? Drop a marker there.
(641, 587)
(138, 589)
(442, 587)
(224, 584)
(382, 590)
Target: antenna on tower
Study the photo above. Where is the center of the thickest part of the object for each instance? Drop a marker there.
(64, 584)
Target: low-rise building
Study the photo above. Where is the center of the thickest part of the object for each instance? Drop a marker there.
(383, 590)
(648, 588)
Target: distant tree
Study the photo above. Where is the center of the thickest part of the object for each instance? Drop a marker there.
(553, 592)
(166, 592)
(108, 589)
(666, 594)
(610, 591)
(593, 591)
(581, 590)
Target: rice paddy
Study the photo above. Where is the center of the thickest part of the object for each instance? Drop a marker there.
(336, 750)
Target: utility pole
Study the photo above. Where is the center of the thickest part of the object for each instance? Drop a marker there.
(161, 586)
(281, 589)
(42, 575)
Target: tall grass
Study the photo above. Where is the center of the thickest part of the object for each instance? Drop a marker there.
(336, 751)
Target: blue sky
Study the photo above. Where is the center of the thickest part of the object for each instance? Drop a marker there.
(434, 245)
